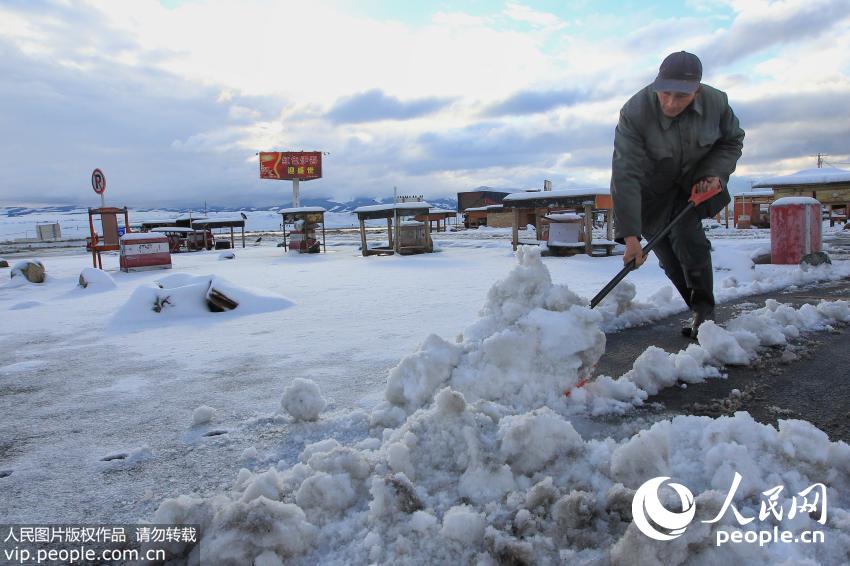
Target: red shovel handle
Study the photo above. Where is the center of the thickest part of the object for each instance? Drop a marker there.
(699, 198)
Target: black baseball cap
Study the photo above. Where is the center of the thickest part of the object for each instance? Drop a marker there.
(679, 72)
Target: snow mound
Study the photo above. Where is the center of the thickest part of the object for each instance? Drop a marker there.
(738, 343)
(182, 296)
(302, 400)
(458, 484)
(534, 341)
(92, 278)
(202, 415)
(484, 467)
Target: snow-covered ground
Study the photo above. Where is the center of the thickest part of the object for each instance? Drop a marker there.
(392, 409)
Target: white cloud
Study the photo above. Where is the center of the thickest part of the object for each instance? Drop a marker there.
(221, 80)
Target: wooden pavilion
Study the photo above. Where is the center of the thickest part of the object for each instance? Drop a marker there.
(404, 237)
(534, 207)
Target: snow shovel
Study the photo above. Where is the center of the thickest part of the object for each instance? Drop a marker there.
(695, 200)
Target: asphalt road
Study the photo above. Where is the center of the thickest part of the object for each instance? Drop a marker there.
(814, 387)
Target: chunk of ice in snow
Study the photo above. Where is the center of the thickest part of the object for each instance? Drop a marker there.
(303, 400)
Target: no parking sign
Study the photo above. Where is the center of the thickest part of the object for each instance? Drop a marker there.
(98, 181)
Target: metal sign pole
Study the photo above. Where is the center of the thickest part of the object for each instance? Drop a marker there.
(296, 200)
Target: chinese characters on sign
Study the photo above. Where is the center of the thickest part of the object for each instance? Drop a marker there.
(291, 165)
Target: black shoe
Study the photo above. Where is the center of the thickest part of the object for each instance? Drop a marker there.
(691, 329)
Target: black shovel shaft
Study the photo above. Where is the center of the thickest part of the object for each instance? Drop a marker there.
(631, 265)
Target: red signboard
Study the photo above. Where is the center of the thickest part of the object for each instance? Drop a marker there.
(290, 165)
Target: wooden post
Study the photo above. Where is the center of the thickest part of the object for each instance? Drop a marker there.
(831, 219)
(515, 231)
(93, 240)
(428, 241)
(609, 222)
(363, 247)
(588, 229)
(243, 235)
(390, 232)
(396, 222)
(232, 239)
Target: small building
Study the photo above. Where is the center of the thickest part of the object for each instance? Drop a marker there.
(752, 208)
(829, 185)
(537, 207)
(222, 224)
(480, 197)
(300, 228)
(48, 231)
(411, 236)
(475, 217)
(498, 216)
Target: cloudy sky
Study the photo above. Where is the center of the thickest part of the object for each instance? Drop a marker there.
(173, 98)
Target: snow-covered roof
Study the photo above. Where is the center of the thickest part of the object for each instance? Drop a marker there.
(172, 229)
(298, 209)
(816, 176)
(490, 190)
(519, 197)
(190, 217)
(761, 193)
(476, 209)
(217, 219)
(400, 206)
(140, 236)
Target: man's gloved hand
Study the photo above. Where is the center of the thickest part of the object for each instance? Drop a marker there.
(633, 251)
(707, 184)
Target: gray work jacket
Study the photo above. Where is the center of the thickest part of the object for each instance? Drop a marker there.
(658, 159)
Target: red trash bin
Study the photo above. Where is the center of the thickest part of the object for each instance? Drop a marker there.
(144, 250)
(795, 229)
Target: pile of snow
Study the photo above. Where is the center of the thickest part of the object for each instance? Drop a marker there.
(202, 415)
(473, 461)
(181, 296)
(737, 344)
(302, 400)
(534, 341)
(92, 278)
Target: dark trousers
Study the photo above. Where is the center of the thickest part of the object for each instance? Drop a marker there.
(685, 256)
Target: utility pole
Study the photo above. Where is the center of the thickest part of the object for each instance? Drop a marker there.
(820, 159)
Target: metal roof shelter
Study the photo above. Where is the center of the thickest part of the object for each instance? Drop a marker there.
(150, 224)
(829, 185)
(191, 239)
(303, 239)
(536, 205)
(222, 223)
(437, 215)
(393, 213)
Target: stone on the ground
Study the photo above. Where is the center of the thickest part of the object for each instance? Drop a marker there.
(227, 255)
(31, 269)
(816, 258)
(3, 262)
